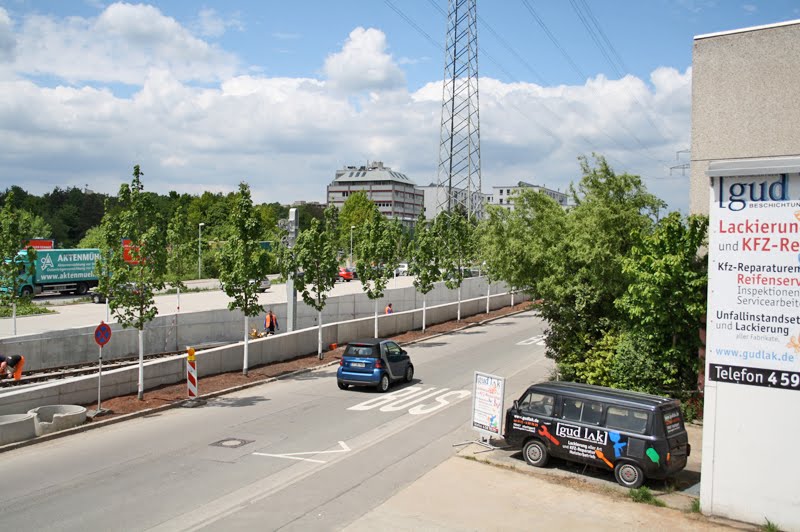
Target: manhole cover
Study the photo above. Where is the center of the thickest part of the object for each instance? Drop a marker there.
(231, 443)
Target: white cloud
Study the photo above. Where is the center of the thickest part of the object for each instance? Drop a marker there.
(7, 40)
(120, 45)
(363, 63)
(211, 24)
(750, 8)
(287, 136)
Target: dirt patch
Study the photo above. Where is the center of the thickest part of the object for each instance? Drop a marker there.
(173, 393)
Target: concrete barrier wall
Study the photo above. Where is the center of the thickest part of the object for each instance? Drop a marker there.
(17, 427)
(173, 332)
(170, 370)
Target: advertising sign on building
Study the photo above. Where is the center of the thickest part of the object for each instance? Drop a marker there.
(753, 335)
(487, 404)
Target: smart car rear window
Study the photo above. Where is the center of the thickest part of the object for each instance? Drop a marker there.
(361, 351)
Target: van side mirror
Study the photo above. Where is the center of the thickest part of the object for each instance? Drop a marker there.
(403, 352)
(516, 404)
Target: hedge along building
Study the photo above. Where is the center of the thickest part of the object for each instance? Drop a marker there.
(745, 174)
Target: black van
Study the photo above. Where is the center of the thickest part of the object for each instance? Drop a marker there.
(636, 435)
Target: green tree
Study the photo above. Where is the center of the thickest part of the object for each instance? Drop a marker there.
(243, 263)
(665, 305)
(132, 283)
(424, 262)
(583, 272)
(12, 264)
(456, 248)
(356, 211)
(314, 254)
(94, 238)
(180, 250)
(377, 256)
(34, 226)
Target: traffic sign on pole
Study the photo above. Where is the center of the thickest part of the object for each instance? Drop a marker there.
(102, 334)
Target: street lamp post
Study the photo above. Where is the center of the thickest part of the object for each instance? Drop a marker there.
(351, 244)
(199, 253)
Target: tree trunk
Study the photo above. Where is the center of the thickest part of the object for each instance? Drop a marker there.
(246, 345)
(319, 334)
(459, 302)
(14, 317)
(176, 317)
(140, 394)
(376, 319)
(424, 300)
(512, 297)
(488, 293)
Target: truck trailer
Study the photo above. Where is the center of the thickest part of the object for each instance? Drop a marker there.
(59, 270)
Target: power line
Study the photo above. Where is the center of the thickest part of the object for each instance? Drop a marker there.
(553, 39)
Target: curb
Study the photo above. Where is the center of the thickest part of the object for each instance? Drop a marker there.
(158, 409)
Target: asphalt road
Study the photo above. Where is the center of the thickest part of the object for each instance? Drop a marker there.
(313, 458)
(85, 313)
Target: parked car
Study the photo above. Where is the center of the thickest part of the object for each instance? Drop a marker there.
(99, 297)
(346, 274)
(374, 362)
(264, 285)
(402, 269)
(634, 434)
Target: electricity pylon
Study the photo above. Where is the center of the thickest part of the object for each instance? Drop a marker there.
(459, 173)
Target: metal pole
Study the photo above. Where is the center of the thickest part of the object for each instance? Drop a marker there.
(351, 244)
(199, 254)
(99, 377)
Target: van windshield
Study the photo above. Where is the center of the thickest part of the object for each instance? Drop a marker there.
(361, 351)
(672, 421)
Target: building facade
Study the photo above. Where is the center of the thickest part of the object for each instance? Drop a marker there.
(745, 174)
(503, 196)
(435, 196)
(395, 195)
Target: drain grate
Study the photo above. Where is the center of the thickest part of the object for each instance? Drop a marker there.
(231, 443)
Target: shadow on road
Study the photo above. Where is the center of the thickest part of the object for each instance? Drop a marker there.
(228, 402)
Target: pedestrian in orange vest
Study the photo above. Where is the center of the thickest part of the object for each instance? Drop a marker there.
(270, 322)
(12, 366)
(388, 309)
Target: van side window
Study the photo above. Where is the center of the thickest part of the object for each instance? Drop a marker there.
(584, 411)
(536, 403)
(626, 419)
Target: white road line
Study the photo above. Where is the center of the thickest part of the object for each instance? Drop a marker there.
(538, 340)
(296, 456)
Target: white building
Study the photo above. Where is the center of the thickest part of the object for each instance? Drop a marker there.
(503, 196)
(436, 196)
(394, 193)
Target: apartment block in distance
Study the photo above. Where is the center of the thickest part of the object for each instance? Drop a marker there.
(393, 192)
(503, 196)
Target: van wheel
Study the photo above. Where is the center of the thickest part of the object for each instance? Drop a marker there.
(383, 385)
(409, 373)
(628, 475)
(82, 289)
(535, 453)
(26, 291)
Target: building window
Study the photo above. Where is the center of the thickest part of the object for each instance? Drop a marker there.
(501, 191)
(508, 191)
(501, 200)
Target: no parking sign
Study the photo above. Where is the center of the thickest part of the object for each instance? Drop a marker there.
(102, 334)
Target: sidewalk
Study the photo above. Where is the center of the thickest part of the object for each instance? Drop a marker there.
(497, 490)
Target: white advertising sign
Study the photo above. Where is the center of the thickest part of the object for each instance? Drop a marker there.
(488, 404)
(753, 332)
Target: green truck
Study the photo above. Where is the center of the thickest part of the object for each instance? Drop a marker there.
(60, 270)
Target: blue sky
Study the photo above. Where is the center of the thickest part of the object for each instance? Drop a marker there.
(281, 94)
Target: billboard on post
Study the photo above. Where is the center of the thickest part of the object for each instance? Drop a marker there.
(753, 335)
(39, 243)
(488, 406)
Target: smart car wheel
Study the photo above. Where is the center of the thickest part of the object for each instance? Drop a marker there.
(535, 453)
(383, 385)
(342, 386)
(409, 373)
(628, 475)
